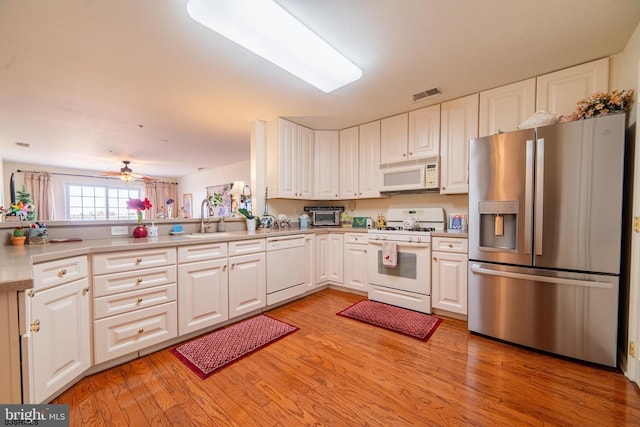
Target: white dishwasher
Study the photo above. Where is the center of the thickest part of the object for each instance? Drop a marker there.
(285, 267)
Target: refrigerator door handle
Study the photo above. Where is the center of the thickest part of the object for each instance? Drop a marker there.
(528, 196)
(477, 269)
(537, 243)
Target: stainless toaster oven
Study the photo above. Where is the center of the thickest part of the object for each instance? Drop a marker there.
(324, 216)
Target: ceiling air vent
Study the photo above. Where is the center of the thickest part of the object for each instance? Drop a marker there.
(426, 94)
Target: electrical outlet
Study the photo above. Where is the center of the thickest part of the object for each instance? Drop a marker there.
(119, 230)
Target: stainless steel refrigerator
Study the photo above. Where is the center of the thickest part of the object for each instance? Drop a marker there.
(545, 224)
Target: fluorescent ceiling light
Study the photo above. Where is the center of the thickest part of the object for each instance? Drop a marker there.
(266, 29)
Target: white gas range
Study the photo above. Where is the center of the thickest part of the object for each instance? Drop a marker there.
(406, 282)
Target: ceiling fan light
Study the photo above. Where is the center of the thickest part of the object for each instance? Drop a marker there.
(266, 29)
(127, 177)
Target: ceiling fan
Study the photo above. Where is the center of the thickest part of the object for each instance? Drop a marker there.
(126, 174)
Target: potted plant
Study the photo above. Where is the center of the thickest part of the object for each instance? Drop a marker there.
(18, 237)
(252, 221)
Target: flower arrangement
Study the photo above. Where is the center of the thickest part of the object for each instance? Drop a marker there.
(169, 201)
(601, 104)
(139, 206)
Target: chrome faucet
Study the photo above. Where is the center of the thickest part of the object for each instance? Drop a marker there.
(203, 228)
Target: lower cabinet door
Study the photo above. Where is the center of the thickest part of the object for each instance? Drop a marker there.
(202, 295)
(56, 345)
(449, 282)
(119, 335)
(247, 283)
(355, 267)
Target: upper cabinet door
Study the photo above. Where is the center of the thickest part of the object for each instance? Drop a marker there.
(558, 92)
(369, 172)
(327, 148)
(459, 125)
(349, 166)
(502, 109)
(424, 132)
(393, 138)
(304, 166)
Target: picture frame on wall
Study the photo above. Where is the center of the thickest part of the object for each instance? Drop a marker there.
(187, 204)
(222, 209)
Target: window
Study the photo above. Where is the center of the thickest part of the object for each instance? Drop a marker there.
(100, 202)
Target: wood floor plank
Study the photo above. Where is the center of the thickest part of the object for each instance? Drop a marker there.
(337, 371)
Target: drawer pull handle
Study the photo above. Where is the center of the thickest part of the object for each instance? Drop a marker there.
(141, 330)
(35, 325)
(62, 272)
(138, 261)
(139, 280)
(139, 300)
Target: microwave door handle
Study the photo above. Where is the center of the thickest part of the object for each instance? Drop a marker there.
(539, 202)
(528, 196)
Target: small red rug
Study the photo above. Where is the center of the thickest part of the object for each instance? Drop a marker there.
(407, 322)
(207, 354)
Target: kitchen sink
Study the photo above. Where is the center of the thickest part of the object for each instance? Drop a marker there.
(207, 235)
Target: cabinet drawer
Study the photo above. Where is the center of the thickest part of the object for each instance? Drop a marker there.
(130, 281)
(54, 273)
(202, 252)
(119, 335)
(241, 247)
(356, 238)
(449, 244)
(133, 260)
(135, 300)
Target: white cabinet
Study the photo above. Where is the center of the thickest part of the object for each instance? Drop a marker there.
(247, 276)
(502, 109)
(289, 168)
(394, 132)
(349, 159)
(329, 258)
(449, 274)
(355, 261)
(310, 261)
(459, 125)
(558, 92)
(360, 161)
(56, 334)
(369, 178)
(424, 133)
(134, 304)
(327, 165)
(203, 299)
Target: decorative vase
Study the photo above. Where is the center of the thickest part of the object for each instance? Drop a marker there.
(18, 241)
(169, 216)
(251, 224)
(140, 231)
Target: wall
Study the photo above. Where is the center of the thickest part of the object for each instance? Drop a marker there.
(197, 183)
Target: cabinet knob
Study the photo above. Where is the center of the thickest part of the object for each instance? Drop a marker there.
(435, 259)
(224, 267)
(141, 330)
(85, 291)
(138, 261)
(404, 155)
(410, 153)
(139, 300)
(450, 245)
(62, 272)
(139, 280)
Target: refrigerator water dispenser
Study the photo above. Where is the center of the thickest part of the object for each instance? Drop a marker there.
(498, 224)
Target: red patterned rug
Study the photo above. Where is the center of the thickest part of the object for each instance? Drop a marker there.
(210, 353)
(407, 322)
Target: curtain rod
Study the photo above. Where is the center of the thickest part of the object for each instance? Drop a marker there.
(88, 176)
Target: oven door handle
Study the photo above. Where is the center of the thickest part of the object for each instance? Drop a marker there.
(401, 244)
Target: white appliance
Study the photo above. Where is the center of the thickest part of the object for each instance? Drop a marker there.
(408, 284)
(423, 175)
(285, 267)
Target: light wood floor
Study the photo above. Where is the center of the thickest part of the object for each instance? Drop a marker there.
(339, 372)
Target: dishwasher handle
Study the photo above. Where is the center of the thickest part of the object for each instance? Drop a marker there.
(477, 269)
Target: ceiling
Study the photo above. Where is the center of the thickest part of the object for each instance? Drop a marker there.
(88, 83)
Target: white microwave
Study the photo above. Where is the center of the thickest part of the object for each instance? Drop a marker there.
(422, 176)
